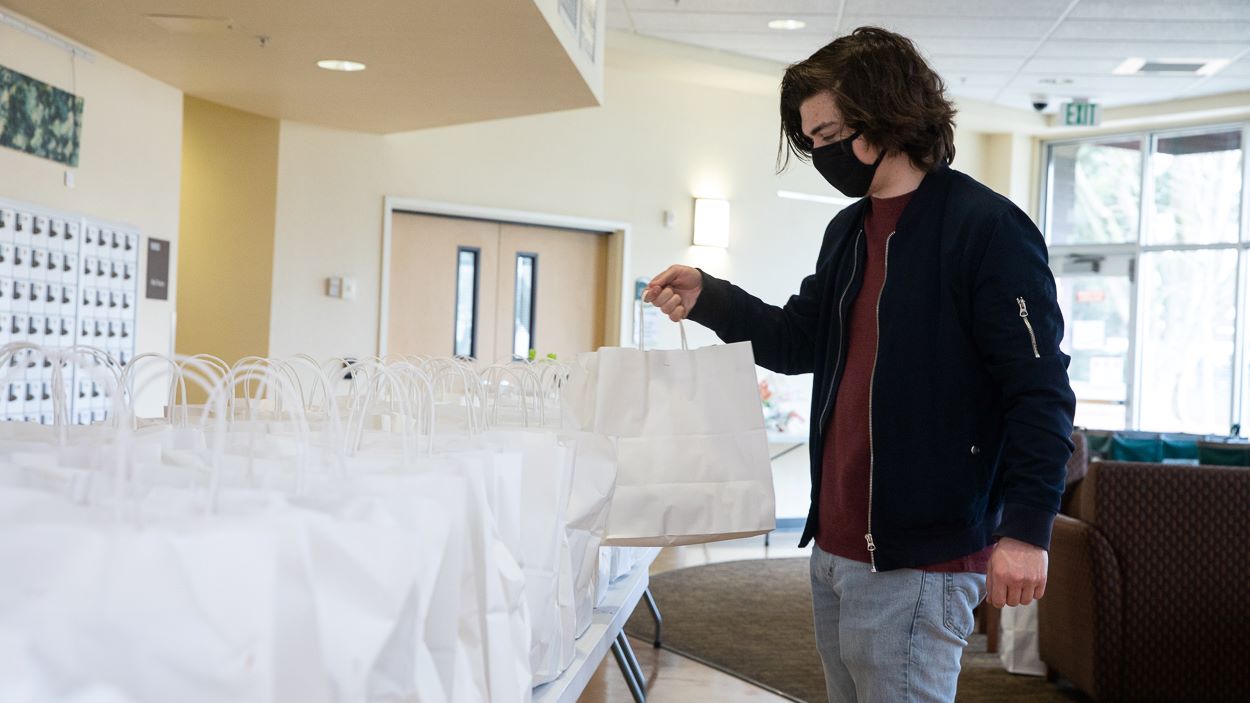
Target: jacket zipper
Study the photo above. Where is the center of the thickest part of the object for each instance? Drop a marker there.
(1024, 315)
(872, 385)
(824, 415)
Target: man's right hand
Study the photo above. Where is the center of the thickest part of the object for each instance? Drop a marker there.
(675, 291)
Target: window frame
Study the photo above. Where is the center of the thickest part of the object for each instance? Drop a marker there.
(1059, 253)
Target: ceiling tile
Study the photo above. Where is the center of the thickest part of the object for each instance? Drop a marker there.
(985, 46)
(1222, 84)
(1239, 69)
(957, 83)
(1146, 49)
(1162, 10)
(978, 45)
(780, 8)
(727, 22)
(1094, 87)
(974, 64)
(982, 94)
(1046, 9)
(1076, 66)
(1141, 31)
(921, 27)
(803, 44)
(619, 19)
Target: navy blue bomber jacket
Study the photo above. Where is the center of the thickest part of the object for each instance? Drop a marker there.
(971, 407)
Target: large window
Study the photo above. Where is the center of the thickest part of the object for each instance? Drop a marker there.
(1149, 243)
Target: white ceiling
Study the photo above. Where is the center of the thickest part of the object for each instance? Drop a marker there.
(999, 51)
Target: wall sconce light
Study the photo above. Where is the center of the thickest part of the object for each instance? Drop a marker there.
(711, 223)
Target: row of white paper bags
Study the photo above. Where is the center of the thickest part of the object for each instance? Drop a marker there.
(497, 669)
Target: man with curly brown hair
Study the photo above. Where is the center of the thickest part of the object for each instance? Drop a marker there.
(941, 403)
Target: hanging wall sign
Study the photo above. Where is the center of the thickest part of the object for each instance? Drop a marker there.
(39, 119)
(158, 269)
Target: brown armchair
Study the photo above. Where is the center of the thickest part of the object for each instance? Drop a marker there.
(1148, 597)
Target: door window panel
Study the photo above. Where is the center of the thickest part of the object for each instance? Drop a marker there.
(466, 302)
(1096, 297)
(523, 315)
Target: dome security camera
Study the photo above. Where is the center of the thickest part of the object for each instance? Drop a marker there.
(1040, 102)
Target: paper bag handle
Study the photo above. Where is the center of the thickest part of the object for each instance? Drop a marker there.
(681, 326)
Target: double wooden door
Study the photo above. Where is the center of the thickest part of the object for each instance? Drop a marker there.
(494, 290)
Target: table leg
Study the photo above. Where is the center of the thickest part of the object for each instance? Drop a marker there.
(655, 613)
(627, 670)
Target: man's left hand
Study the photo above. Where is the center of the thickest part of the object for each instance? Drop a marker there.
(1017, 573)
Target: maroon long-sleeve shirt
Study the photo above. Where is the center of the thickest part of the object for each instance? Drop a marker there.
(844, 488)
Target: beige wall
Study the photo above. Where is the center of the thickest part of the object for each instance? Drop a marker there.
(1008, 167)
(677, 122)
(129, 162)
(229, 192)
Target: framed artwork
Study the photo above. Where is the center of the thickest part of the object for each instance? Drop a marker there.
(39, 119)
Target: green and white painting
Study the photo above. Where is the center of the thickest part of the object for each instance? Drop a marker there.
(39, 119)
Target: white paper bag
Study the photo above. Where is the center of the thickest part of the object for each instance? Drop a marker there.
(594, 482)
(1017, 647)
(692, 451)
(546, 475)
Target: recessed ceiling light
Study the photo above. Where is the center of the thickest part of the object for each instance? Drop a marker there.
(787, 24)
(1055, 81)
(340, 65)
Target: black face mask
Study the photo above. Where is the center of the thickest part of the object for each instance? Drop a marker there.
(838, 164)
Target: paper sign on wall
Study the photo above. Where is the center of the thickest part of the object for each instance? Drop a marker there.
(158, 269)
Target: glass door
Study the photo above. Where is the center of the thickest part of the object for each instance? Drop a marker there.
(1096, 296)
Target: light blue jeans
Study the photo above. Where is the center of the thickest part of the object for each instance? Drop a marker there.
(891, 636)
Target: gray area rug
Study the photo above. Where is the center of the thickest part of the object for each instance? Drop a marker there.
(753, 619)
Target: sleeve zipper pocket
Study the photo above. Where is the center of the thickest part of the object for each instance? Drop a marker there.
(1024, 315)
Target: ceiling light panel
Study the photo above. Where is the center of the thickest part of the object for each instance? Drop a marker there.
(787, 25)
(341, 65)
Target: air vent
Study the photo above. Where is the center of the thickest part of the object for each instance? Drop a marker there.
(186, 24)
(1170, 67)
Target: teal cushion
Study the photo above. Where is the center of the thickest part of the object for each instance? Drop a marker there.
(1146, 449)
(1180, 447)
(1099, 444)
(1224, 454)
